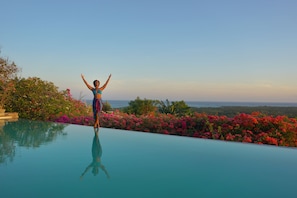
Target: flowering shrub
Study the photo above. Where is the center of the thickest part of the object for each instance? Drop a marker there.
(250, 128)
(36, 99)
(6, 89)
(8, 71)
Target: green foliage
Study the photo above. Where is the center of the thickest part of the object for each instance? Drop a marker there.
(177, 108)
(75, 107)
(141, 107)
(145, 106)
(8, 71)
(36, 99)
(165, 107)
(106, 106)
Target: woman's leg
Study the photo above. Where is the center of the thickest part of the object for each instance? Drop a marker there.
(99, 111)
(97, 107)
(95, 112)
(96, 120)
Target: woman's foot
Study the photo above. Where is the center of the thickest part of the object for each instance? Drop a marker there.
(96, 125)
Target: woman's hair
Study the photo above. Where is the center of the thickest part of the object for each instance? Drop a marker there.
(94, 82)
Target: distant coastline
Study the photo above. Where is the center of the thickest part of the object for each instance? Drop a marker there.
(198, 104)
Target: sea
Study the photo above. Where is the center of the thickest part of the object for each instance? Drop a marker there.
(125, 103)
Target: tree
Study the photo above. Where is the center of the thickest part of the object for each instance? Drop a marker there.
(178, 108)
(8, 71)
(141, 107)
(181, 108)
(165, 107)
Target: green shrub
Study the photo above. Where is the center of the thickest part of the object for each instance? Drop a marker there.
(36, 99)
(141, 107)
(177, 108)
(106, 106)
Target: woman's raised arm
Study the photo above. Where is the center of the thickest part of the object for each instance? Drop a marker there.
(105, 84)
(87, 84)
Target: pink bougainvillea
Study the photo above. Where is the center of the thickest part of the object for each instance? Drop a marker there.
(249, 128)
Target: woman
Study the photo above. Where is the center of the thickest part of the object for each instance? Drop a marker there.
(97, 101)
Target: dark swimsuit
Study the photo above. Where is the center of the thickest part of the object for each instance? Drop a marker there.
(97, 103)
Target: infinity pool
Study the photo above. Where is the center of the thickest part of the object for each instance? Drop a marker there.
(43, 159)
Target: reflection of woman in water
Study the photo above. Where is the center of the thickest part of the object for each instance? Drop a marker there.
(96, 153)
(97, 101)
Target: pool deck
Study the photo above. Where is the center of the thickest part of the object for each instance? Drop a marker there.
(8, 116)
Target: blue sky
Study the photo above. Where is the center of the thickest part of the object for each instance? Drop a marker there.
(192, 50)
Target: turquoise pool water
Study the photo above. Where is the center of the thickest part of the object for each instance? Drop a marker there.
(41, 159)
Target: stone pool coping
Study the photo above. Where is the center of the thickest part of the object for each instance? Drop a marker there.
(9, 115)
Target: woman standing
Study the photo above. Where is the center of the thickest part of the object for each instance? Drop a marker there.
(97, 101)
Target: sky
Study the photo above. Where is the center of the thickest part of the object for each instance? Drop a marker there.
(191, 50)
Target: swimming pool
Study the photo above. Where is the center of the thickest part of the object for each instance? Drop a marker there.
(44, 159)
